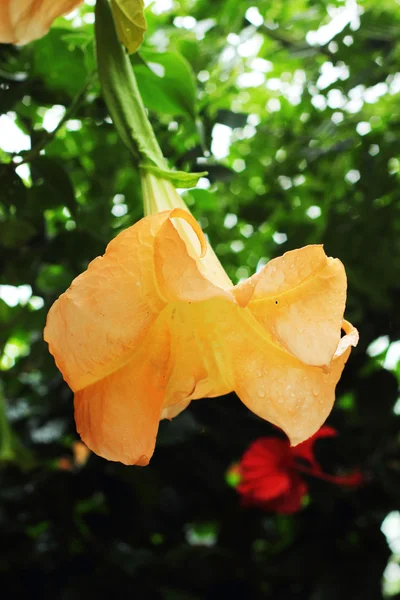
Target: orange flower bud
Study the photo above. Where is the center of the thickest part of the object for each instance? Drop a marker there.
(22, 21)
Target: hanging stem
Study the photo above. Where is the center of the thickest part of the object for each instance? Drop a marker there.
(121, 92)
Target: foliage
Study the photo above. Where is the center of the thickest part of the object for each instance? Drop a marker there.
(293, 109)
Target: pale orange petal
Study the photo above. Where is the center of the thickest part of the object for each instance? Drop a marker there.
(169, 412)
(159, 195)
(118, 416)
(179, 273)
(94, 327)
(299, 299)
(7, 35)
(350, 339)
(276, 385)
(197, 367)
(22, 21)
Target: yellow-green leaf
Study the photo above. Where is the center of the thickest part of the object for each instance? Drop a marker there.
(179, 179)
(130, 22)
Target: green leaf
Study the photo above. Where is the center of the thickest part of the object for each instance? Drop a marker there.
(13, 190)
(53, 279)
(14, 233)
(77, 39)
(166, 83)
(68, 73)
(130, 22)
(6, 313)
(203, 199)
(83, 41)
(180, 179)
(11, 449)
(6, 450)
(4, 157)
(57, 180)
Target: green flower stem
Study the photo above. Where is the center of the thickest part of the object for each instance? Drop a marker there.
(121, 92)
(159, 194)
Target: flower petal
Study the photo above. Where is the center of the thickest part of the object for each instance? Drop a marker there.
(22, 21)
(180, 273)
(7, 35)
(291, 501)
(94, 327)
(196, 351)
(169, 412)
(299, 299)
(196, 370)
(264, 469)
(118, 416)
(350, 339)
(305, 450)
(276, 385)
(267, 479)
(353, 479)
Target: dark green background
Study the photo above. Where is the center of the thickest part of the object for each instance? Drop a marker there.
(175, 530)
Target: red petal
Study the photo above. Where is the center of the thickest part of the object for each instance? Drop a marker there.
(350, 480)
(305, 450)
(292, 501)
(261, 490)
(265, 470)
(266, 456)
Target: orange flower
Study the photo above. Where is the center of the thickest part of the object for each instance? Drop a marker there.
(156, 323)
(22, 21)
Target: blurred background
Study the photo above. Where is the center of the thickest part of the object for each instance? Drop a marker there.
(293, 108)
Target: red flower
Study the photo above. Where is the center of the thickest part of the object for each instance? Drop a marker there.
(270, 471)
